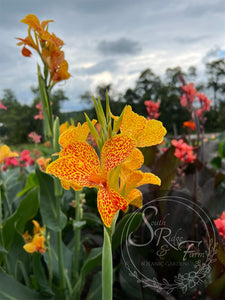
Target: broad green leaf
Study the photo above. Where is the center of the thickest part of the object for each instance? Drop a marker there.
(26, 211)
(93, 260)
(216, 162)
(10, 289)
(32, 182)
(123, 225)
(95, 290)
(48, 203)
(40, 277)
(166, 168)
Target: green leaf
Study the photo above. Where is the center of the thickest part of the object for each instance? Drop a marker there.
(216, 162)
(10, 289)
(46, 105)
(40, 277)
(125, 226)
(26, 211)
(48, 203)
(93, 260)
(56, 145)
(221, 149)
(95, 290)
(166, 168)
(3, 250)
(32, 182)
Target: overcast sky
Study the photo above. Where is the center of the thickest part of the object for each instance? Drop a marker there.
(111, 41)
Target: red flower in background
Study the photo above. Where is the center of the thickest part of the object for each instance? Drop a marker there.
(205, 104)
(190, 90)
(152, 109)
(183, 151)
(220, 224)
(40, 113)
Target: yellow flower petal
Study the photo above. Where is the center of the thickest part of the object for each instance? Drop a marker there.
(135, 160)
(152, 134)
(132, 123)
(135, 198)
(149, 178)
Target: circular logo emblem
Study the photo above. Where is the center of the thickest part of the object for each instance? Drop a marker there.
(172, 246)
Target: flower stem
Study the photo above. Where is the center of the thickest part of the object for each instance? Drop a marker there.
(77, 235)
(107, 267)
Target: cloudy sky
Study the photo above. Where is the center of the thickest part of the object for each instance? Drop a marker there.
(111, 41)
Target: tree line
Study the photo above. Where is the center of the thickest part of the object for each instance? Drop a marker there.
(18, 121)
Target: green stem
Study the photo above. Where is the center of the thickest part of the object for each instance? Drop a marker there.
(77, 235)
(50, 265)
(107, 267)
(1, 235)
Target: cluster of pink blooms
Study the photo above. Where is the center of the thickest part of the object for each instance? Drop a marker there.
(23, 160)
(2, 106)
(183, 151)
(40, 113)
(190, 94)
(220, 224)
(152, 109)
(36, 138)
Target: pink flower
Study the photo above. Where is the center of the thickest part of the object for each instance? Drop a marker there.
(184, 100)
(152, 109)
(190, 90)
(26, 159)
(205, 104)
(40, 113)
(2, 106)
(36, 138)
(220, 224)
(183, 151)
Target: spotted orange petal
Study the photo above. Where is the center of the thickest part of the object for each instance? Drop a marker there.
(82, 151)
(73, 134)
(74, 170)
(152, 134)
(115, 151)
(109, 202)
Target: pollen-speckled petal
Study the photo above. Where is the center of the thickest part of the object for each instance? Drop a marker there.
(67, 185)
(109, 202)
(72, 169)
(74, 134)
(132, 123)
(149, 178)
(115, 151)
(135, 198)
(152, 134)
(83, 151)
(135, 160)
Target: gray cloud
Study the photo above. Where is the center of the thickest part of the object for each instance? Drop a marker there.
(214, 53)
(102, 66)
(121, 46)
(190, 39)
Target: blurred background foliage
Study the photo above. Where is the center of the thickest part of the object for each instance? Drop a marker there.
(149, 85)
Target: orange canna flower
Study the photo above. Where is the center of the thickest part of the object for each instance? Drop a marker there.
(48, 46)
(43, 162)
(145, 132)
(6, 152)
(78, 164)
(35, 243)
(189, 124)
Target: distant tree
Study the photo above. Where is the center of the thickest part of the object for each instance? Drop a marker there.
(16, 120)
(216, 78)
